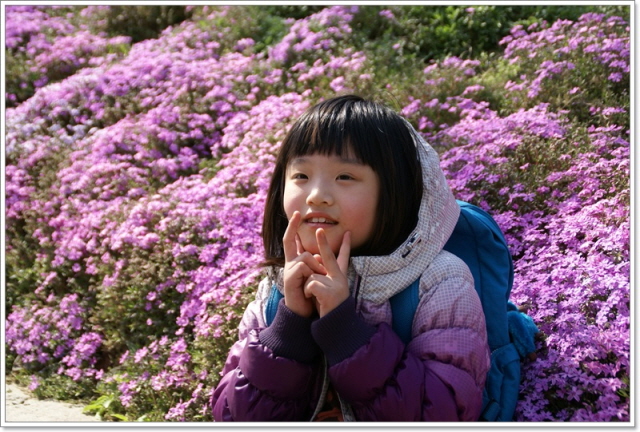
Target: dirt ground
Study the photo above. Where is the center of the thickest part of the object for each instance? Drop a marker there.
(22, 407)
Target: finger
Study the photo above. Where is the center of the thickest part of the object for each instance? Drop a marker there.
(328, 258)
(304, 269)
(312, 263)
(307, 289)
(312, 284)
(289, 239)
(344, 252)
(299, 246)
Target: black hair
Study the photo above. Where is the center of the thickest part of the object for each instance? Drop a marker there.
(374, 135)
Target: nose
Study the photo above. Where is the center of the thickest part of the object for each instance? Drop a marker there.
(320, 194)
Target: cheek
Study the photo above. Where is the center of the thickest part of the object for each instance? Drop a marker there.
(363, 220)
(368, 204)
(290, 202)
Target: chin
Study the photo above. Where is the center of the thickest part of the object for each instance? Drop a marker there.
(312, 248)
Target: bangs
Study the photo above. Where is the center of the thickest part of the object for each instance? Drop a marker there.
(340, 129)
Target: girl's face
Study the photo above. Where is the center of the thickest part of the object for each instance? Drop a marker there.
(335, 193)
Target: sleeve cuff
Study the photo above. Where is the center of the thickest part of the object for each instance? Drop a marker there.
(289, 336)
(341, 332)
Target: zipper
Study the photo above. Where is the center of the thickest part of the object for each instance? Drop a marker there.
(347, 411)
(357, 291)
(414, 240)
(325, 388)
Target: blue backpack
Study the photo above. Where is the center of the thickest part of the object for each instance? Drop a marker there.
(478, 241)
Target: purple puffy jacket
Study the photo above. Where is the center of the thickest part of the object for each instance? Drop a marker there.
(281, 372)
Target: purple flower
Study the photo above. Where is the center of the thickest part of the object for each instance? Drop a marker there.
(387, 14)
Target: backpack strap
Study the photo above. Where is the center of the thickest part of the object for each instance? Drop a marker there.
(403, 308)
(271, 307)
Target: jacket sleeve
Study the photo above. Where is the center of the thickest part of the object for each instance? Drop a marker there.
(269, 373)
(438, 376)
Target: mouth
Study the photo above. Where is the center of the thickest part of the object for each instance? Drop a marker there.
(320, 221)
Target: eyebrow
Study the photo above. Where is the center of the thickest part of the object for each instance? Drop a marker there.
(344, 160)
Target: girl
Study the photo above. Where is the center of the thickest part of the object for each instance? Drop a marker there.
(358, 209)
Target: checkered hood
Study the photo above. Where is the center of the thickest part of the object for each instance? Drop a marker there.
(384, 276)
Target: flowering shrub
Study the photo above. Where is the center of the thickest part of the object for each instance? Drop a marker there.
(137, 173)
(558, 64)
(560, 191)
(572, 231)
(51, 338)
(45, 45)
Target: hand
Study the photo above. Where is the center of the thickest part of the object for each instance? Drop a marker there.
(298, 267)
(331, 288)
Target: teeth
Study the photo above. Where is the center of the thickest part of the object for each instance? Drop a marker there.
(318, 220)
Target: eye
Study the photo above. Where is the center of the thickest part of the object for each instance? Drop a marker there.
(299, 176)
(345, 177)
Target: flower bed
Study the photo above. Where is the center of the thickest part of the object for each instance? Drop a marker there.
(136, 177)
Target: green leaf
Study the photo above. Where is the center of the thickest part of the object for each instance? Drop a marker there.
(91, 408)
(120, 417)
(100, 404)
